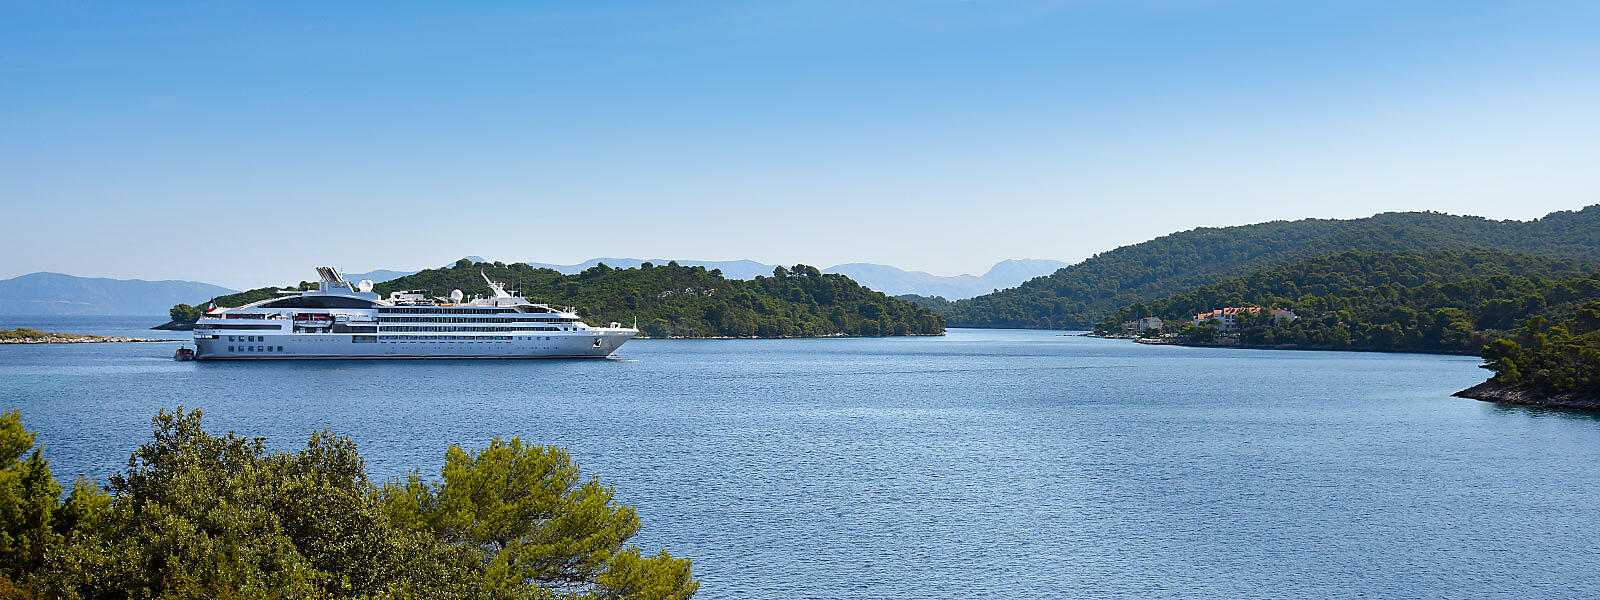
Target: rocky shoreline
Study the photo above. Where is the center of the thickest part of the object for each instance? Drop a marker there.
(1489, 391)
(78, 339)
(1228, 343)
(23, 335)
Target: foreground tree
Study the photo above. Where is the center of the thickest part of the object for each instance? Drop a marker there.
(28, 502)
(202, 516)
(539, 525)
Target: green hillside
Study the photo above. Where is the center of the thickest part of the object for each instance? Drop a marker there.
(1080, 295)
(1446, 301)
(931, 302)
(189, 313)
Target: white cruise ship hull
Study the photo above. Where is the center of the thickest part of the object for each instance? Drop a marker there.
(594, 343)
(339, 320)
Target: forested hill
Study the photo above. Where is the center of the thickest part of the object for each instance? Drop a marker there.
(189, 313)
(1447, 301)
(1080, 295)
(673, 300)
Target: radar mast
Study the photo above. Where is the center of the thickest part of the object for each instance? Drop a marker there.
(498, 289)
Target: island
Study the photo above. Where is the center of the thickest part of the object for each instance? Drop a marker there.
(23, 335)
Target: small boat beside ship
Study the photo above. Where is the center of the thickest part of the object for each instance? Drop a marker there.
(340, 320)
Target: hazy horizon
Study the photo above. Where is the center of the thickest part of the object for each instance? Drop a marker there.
(249, 283)
(237, 144)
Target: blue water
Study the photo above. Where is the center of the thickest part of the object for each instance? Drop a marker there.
(982, 464)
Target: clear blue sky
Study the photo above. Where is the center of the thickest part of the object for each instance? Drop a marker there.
(244, 143)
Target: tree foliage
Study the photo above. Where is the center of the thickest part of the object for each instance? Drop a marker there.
(1081, 295)
(1550, 360)
(201, 516)
(1447, 301)
(27, 501)
(934, 303)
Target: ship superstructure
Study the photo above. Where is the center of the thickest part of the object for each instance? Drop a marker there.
(341, 320)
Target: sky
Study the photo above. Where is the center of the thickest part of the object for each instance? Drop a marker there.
(244, 143)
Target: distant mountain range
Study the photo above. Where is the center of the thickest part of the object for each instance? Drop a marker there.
(883, 278)
(895, 282)
(58, 294)
(378, 276)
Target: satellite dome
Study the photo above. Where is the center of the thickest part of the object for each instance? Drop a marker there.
(456, 295)
(365, 285)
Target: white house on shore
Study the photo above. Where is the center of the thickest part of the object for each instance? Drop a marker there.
(1142, 325)
(1226, 318)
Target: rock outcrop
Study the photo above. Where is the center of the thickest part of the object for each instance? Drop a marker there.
(1490, 391)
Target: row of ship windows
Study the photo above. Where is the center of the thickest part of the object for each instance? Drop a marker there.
(497, 329)
(262, 338)
(407, 339)
(477, 320)
(449, 338)
(435, 311)
(359, 339)
(405, 320)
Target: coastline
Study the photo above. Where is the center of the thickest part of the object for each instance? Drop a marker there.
(1489, 391)
(79, 339)
(1297, 347)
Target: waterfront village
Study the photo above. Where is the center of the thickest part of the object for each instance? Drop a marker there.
(1225, 320)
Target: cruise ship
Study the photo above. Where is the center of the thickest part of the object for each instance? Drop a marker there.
(341, 320)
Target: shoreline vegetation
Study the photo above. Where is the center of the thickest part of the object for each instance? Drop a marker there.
(23, 335)
(1231, 343)
(1534, 320)
(197, 515)
(669, 301)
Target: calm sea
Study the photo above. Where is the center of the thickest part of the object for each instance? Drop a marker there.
(982, 464)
